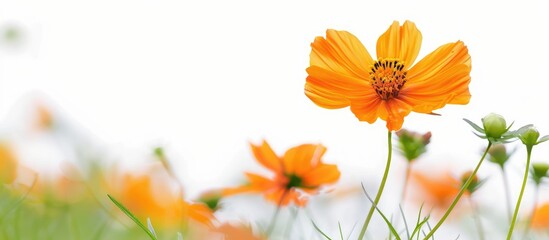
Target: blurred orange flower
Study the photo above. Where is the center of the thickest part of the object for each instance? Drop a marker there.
(437, 191)
(342, 73)
(540, 218)
(299, 172)
(44, 117)
(8, 164)
(149, 196)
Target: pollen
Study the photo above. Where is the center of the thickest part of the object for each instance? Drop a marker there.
(387, 76)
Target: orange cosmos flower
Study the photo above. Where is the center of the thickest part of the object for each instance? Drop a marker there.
(342, 73)
(149, 196)
(437, 191)
(299, 172)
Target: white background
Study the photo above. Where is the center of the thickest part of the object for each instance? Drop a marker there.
(204, 78)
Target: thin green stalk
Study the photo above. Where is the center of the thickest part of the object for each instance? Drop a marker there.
(275, 215)
(507, 196)
(381, 186)
(534, 206)
(461, 192)
(476, 217)
(406, 179)
(290, 224)
(529, 153)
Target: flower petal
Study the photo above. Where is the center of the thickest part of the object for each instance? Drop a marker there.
(284, 196)
(443, 58)
(323, 174)
(393, 111)
(440, 78)
(367, 109)
(265, 155)
(341, 52)
(200, 213)
(256, 183)
(339, 64)
(401, 42)
(331, 90)
(301, 159)
(396, 111)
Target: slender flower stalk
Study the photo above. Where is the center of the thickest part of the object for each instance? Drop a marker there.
(461, 192)
(476, 217)
(411, 145)
(381, 186)
(275, 215)
(499, 155)
(517, 206)
(406, 180)
(534, 207)
(507, 194)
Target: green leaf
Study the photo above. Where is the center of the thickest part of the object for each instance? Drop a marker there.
(419, 223)
(320, 231)
(543, 139)
(474, 125)
(132, 217)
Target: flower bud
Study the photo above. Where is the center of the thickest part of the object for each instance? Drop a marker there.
(412, 144)
(528, 135)
(498, 154)
(494, 125)
(475, 182)
(539, 171)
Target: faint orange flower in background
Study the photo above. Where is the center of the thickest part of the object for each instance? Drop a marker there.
(437, 191)
(149, 196)
(298, 173)
(540, 218)
(8, 164)
(342, 73)
(44, 117)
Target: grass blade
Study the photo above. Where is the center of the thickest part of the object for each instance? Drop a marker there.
(340, 232)
(405, 222)
(150, 226)
(320, 231)
(132, 217)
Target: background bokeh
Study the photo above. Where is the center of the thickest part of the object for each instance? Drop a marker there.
(204, 78)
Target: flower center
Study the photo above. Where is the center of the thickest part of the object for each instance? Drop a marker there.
(293, 181)
(387, 77)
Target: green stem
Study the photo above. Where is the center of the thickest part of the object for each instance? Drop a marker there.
(461, 192)
(381, 186)
(406, 179)
(525, 178)
(534, 206)
(275, 215)
(476, 217)
(507, 196)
